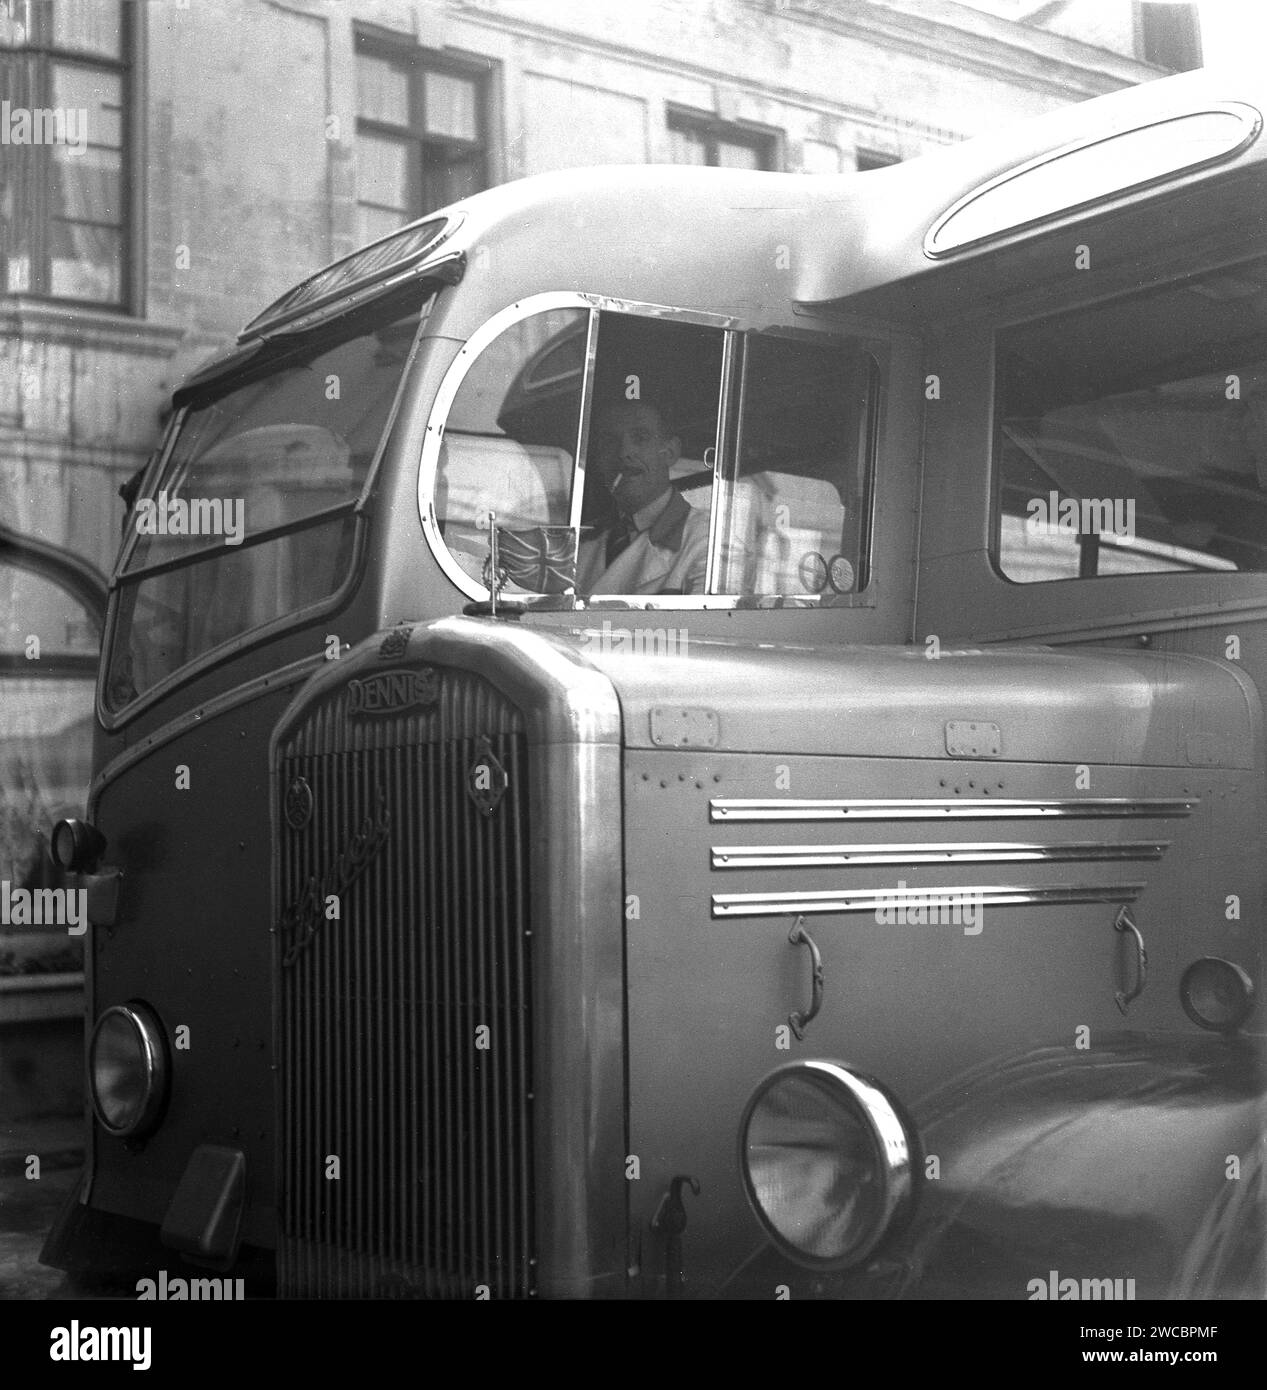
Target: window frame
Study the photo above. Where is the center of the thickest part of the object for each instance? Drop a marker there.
(1169, 36)
(1187, 576)
(765, 140)
(416, 63)
(41, 53)
(112, 716)
(729, 405)
(867, 159)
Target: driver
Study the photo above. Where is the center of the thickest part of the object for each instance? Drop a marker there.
(659, 542)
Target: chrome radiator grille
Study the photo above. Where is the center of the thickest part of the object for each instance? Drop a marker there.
(405, 1128)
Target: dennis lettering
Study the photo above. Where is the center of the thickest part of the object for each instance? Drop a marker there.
(389, 691)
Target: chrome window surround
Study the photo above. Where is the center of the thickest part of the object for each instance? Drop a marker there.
(594, 303)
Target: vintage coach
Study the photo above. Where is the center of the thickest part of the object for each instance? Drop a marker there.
(894, 931)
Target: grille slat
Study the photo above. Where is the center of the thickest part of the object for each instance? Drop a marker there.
(378, 1010)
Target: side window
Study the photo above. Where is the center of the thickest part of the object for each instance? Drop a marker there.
(510, 442)
(653, 443)
(508, 451)
(796, 518)
(793, 512)
(1131, 436)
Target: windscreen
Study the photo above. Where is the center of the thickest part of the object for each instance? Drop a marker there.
(252, 516)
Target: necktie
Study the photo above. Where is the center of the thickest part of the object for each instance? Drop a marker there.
(618, 540)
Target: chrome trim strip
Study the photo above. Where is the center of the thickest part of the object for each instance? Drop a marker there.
(152, 470)
(211, 709)
(722, 448)
(858, 856)
(947, 808)
(870, 899)
(577, 508)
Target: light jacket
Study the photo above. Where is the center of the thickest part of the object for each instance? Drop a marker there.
(670, 557)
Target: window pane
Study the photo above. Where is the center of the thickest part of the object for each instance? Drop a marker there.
(86, 262)
(15, 24)
(272, 451)
(46, 728)
(449, 177)
(731, 155)
(382, 172)
(687, 147)
(650, 476)
(17, 273)
(93, 101)
(280, 446)
(88, 187)
(797, 513)
(382, 90)
(32, 605)
(89, 26)
(18, 176)
(509, 446)
(171, 618)
(872, 159)
(1121, 447)
(452, 106)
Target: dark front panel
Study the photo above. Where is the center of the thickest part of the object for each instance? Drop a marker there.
(187, 824)
(403, 1022)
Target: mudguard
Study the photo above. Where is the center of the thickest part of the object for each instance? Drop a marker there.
(1131, 1170)
(1138, 1161)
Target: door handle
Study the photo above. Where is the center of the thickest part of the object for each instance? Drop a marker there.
(1124, 922)
(798, 936)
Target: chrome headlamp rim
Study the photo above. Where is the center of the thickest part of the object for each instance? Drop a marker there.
(153, 1050)
(894, 1145)
(1237, 976)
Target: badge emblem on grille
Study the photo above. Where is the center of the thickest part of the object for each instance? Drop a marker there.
(396, 643)
(298, 803)
(309, 913)
(487, 781)
(389, 691)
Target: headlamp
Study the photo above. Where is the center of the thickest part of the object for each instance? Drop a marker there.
(828, 1162)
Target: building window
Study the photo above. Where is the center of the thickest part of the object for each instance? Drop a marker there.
(1171, 36)
(873, 159)
(64, 129)
(421, 138)
(699, 139)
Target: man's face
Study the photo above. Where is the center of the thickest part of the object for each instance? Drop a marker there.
(635, 455)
